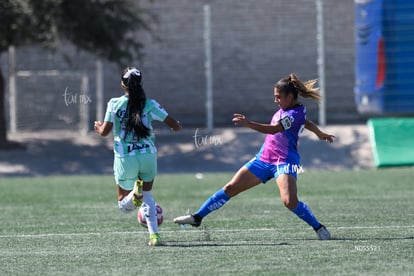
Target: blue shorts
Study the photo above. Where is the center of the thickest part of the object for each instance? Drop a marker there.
(266, 171)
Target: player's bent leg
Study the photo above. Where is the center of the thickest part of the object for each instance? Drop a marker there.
(242, 181)
(125, 203)
(288, 193)
(214, 202)
(288, 190)
(137, 191)
(121, 192)
(151, 212)
(305, 214)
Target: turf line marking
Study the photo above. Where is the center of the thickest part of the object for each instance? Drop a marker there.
(46, 235)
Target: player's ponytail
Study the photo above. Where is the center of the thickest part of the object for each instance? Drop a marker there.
(131, 79)
(292, 84)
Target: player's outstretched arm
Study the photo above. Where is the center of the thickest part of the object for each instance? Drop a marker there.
(240, 119)
(311, 126)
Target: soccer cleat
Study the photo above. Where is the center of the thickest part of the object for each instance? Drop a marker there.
(137, 199)
(323, 233)
(193, 220)
(155, 240)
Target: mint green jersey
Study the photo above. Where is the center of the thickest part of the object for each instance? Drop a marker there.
(126, 142)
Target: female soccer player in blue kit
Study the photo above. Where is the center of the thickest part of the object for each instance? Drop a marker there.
(278, 158)
(135, 154)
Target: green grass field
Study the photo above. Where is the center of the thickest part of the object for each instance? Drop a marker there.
(72, 226)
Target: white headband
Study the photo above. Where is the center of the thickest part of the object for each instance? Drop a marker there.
(133, 71)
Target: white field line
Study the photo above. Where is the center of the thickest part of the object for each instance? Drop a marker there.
(46, 235)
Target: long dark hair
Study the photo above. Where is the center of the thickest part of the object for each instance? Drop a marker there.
(292, 84)
(131, 80)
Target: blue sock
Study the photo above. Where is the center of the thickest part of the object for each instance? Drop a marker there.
(214, 202)
(304, 213)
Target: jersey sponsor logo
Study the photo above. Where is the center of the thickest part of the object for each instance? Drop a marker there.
(286, 122)
(132, 147)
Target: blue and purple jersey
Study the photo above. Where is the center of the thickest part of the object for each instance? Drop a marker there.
(282, 147)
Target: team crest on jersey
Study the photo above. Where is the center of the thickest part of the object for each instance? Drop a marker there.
(286, 122)
(121, 113)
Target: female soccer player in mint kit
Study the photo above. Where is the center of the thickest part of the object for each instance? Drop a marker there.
(135, 154)
(278, 158)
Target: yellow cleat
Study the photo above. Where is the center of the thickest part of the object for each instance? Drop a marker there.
(137, 200)
(155, 240)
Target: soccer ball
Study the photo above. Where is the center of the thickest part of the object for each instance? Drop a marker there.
(142, 219)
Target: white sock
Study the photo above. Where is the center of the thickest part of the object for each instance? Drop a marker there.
(151, 212)
(126, 205)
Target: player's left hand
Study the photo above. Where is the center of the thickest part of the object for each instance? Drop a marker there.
(97, 124)
(239, 119)
(327, 137)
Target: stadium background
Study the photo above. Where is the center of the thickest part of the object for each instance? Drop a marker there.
(254, 44)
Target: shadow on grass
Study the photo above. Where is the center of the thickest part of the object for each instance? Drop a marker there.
(239, 243)
(372, 239)
(224, 244)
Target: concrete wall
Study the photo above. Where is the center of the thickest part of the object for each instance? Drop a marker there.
(254, 44)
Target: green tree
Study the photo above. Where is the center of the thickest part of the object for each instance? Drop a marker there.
(107, 28)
